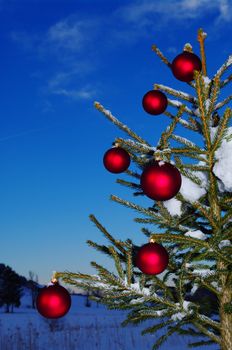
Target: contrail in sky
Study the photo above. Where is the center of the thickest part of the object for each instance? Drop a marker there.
(23, 133)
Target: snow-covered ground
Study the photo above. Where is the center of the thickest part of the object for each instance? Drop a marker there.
(83, 328)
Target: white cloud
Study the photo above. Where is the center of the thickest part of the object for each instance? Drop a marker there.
(83, 93)
(70, 34)
(77, 43)
(142, 12)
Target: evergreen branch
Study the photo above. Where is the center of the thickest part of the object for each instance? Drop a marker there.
(226, 81)
(156, 327)
(193, 126)
(136, 146)
(129, 266)
(162, 285)
(209, 321)
(135, 207)
(213, 96)
(117, 261)
(163, 142)
(178, 104)
(73, 275)
(209, 334)
(164, 337)
(203, 210)
(196, 167)
(132, 173)
(187, 174)
(116, 243)
(224, 67)
(173, 92)
(187, 150)
(226, 218)
(161, 56)
(201, 103)
(121, 126)
(98, 247)
(145, 221)
(107, 276)
(177, 238)
(201, 38)
(186, 142)
(201, 343)
(221, 131)
(128, 184)
(223, 103)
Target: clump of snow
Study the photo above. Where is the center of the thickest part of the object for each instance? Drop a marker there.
(194, 288)
(203, 272)
(178, 316)
(197, 112)
(223, 166)
(186, 305)
(136, 287)
(206, 79)
(191, 191)
(175, 103)
(181, 314)
(196, 234)
(136, 301)
(173, 206)
(161, 162)
(224, 243)
(207, 104)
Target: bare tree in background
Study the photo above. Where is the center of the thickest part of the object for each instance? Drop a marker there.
(33, 286)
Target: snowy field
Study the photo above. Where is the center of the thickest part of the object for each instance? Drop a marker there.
(83, 328)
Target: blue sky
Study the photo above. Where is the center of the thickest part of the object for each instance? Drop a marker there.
(57, 58)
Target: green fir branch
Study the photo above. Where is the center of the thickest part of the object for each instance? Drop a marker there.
(200, 89)
(221, 131)
(191, 126)
(101, 248)
(117, 261)
(135, 207)
(209, 334)
(163, 141)
(224, 67)
(156, 327)
(226, 81)
(131, 185)
(108, 276)
(213, 95)
(120, 125)
(115, 242)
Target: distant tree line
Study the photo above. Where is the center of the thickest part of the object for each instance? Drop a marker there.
(12, 288)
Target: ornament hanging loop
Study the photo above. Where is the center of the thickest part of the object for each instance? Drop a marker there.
(54, 279)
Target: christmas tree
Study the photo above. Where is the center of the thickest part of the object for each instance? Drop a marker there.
(191, 203)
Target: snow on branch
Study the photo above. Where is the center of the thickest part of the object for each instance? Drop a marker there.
(176, 93)
(114, 120)
(196, 234)
(224, 67)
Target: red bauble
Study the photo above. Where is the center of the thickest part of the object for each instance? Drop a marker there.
(152, 258)
(183, 66)
(53, 301)
(160, 181)
(154, 102)
(116, 160)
